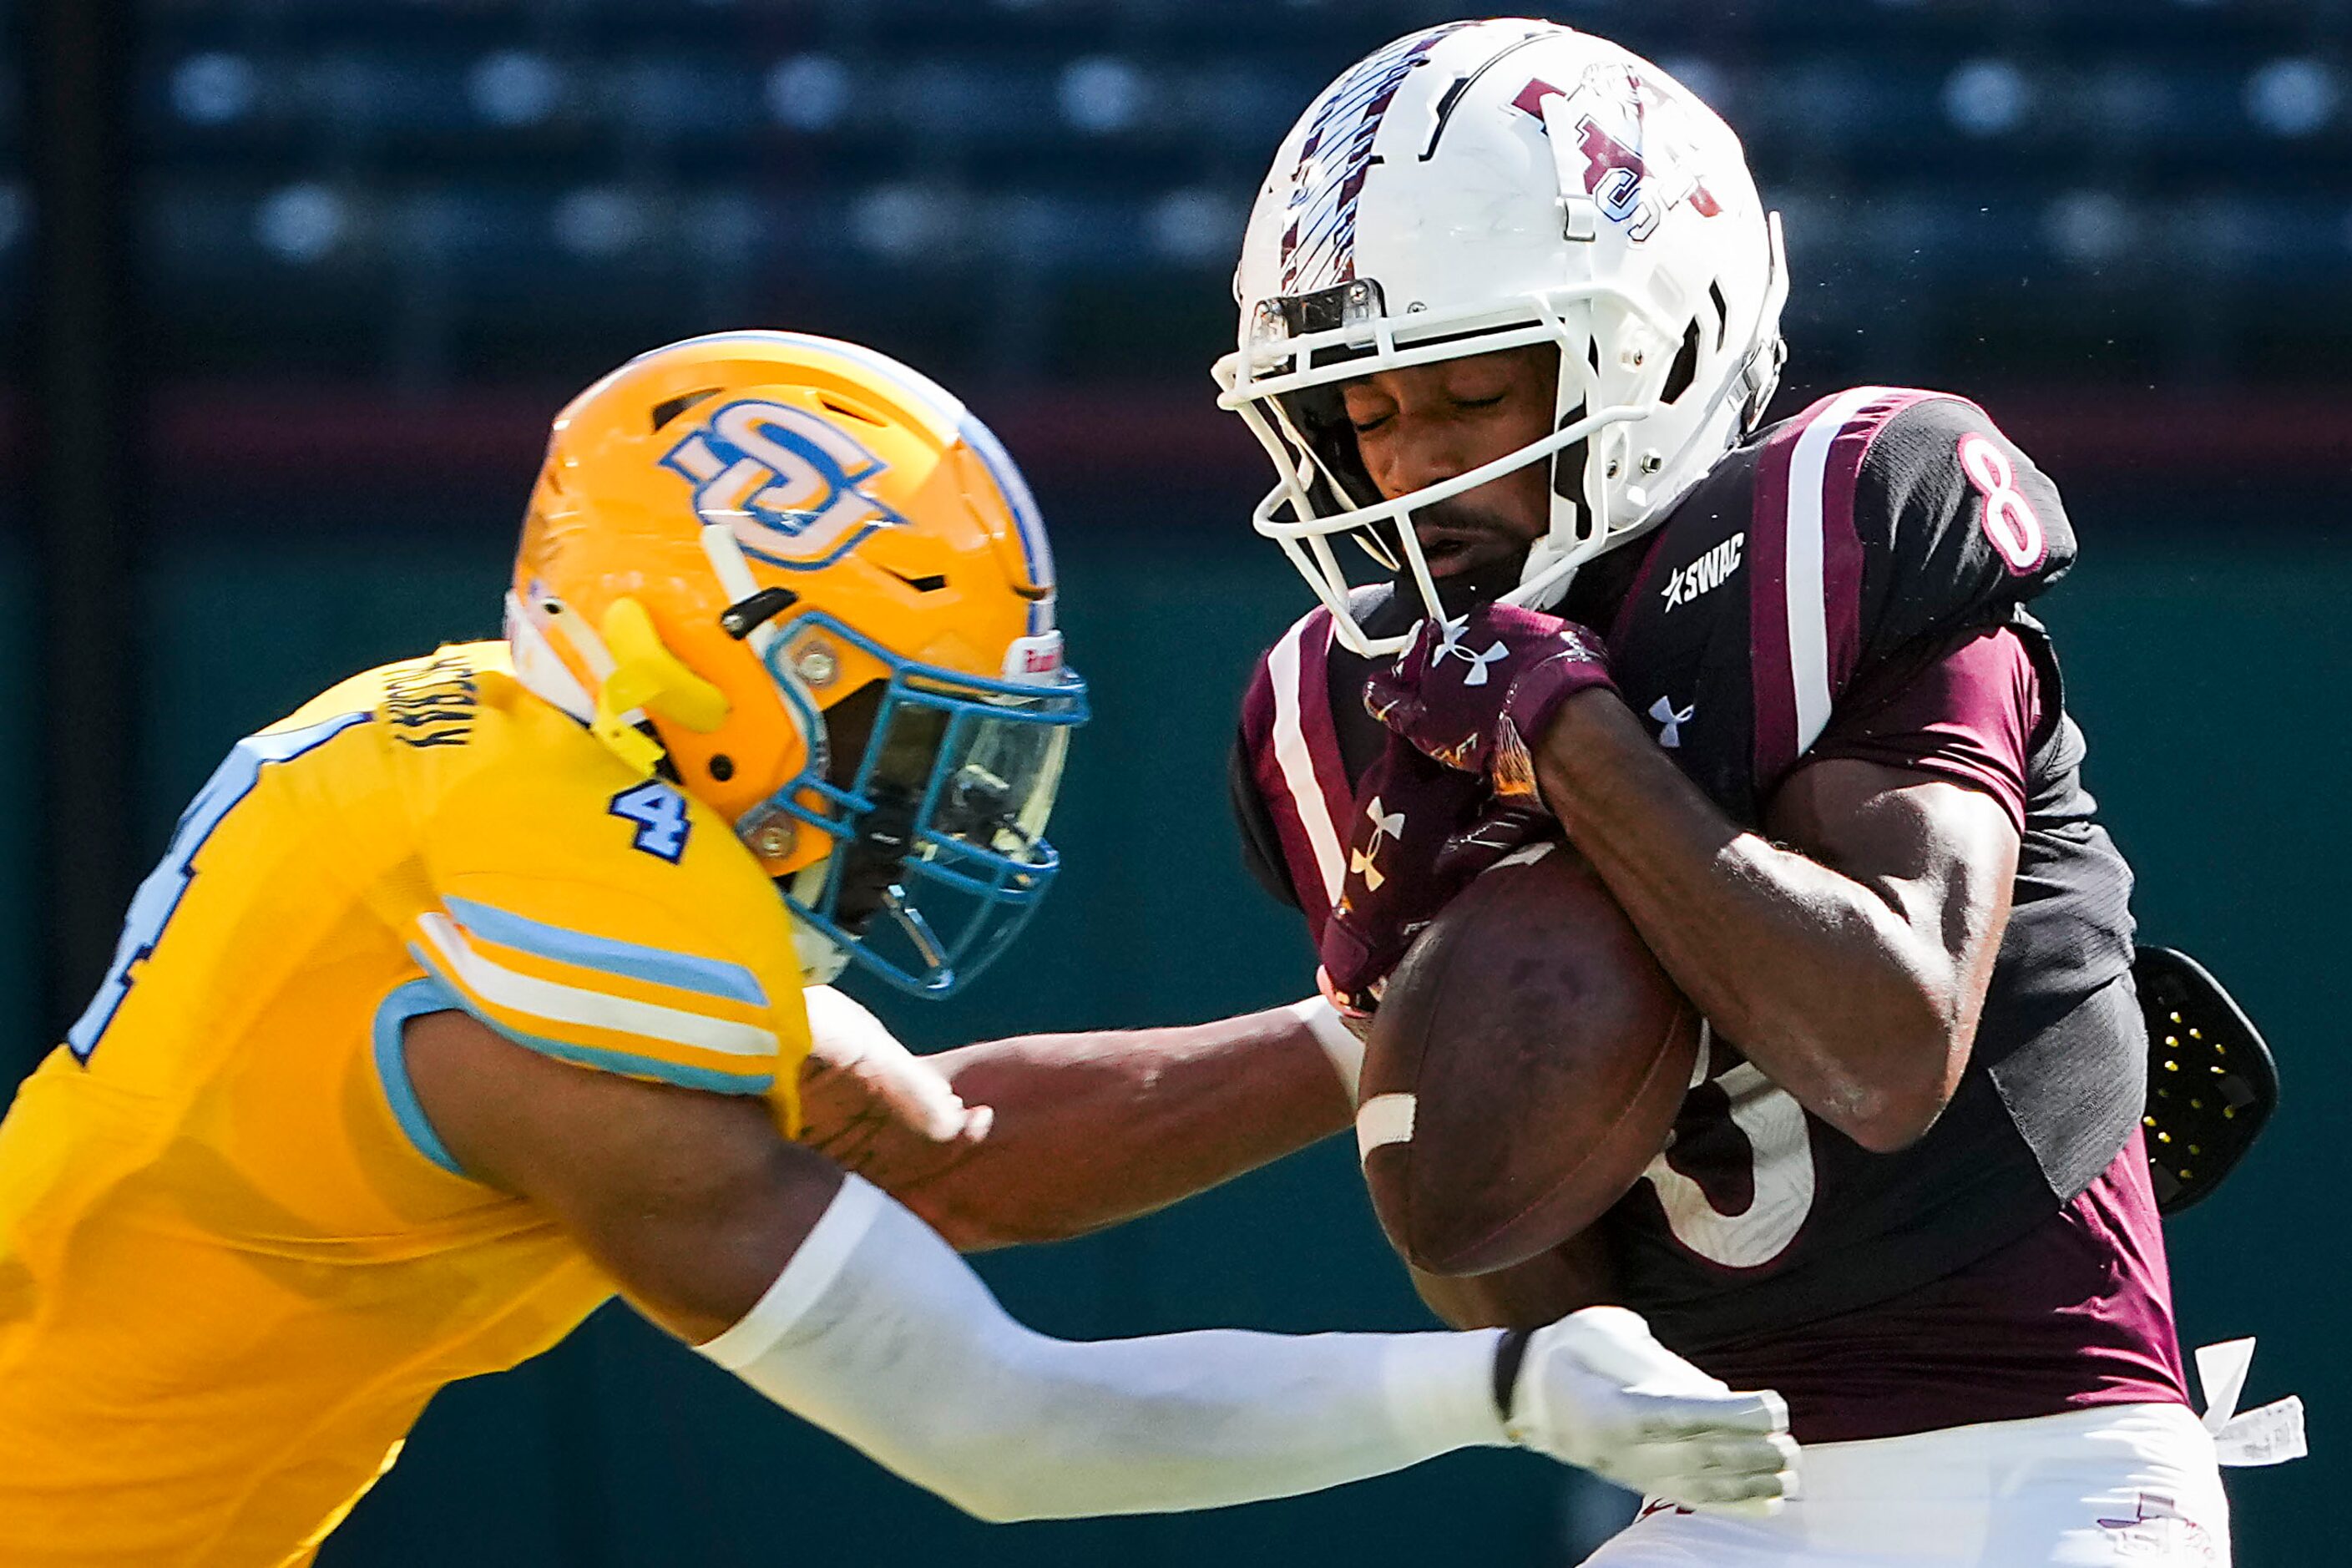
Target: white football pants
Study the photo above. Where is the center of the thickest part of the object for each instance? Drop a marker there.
(2133, 1486)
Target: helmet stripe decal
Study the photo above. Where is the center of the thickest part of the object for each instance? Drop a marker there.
(1337, 155)
(1026, 521)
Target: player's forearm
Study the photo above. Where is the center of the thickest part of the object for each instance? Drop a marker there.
(882, 1337)
(1821, 980)
(1092, 1129)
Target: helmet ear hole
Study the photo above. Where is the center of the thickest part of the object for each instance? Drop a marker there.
(1684, 370)
(1568, 463)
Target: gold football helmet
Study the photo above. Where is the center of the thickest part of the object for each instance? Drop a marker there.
(803, 583)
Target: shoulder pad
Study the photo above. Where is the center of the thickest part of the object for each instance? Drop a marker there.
(1880, 516)
(1956, 525)
(609, 920)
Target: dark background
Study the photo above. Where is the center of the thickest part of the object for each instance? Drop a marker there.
(288, 289)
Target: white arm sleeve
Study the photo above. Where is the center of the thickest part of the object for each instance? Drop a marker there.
(879, 1333)
(1339, 1042)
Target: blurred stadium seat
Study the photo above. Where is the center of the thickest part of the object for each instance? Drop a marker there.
(499, 156)
(1058, 156)
(465, 179)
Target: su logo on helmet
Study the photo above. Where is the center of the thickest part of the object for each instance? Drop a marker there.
(786, 483)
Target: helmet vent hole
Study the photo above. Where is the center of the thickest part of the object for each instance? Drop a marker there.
(1722, 312)
(1684, 370)
(1567, 466)
(849, 410)
(670, 409)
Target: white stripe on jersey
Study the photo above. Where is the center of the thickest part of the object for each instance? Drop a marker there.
(527, 993)
(1298, 763)
(1801, 578)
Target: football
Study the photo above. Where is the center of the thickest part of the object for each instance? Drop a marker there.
(1576, 1274)
(1525, 1064)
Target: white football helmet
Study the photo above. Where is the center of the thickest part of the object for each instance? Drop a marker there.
(1483, 186)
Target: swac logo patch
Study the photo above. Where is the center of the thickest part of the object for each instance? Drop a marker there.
(1708, 572)
(784, 480)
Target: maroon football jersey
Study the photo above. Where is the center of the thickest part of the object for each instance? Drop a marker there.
(1851, 583)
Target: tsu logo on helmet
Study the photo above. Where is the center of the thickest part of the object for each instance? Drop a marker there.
(1634, 146)
(785, 482)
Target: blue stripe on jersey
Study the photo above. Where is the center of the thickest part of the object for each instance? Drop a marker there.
(626, 1063)
(706, 976)
(413, 1000)
(707, 1080)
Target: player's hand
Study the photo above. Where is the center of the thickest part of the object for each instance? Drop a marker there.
(1477, 691)
(874, 1106)
(1419, 832)
(1596, 1391)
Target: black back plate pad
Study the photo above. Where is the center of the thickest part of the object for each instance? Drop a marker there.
(2211, 1082)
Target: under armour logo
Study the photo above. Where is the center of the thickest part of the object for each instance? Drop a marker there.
(1452, 632)
(1670, 722)
(1364, 862)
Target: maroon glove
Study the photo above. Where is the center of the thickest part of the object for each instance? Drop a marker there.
(1419, 834)
(1474, 692)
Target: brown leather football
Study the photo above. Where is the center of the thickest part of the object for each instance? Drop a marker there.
(1525, 1064)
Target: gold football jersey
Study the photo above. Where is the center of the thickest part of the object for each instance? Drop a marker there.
(235, 1260)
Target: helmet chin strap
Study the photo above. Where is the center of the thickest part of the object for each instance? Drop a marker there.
(1566, 544)
(821, 957)
(1544, 580)
(536, 666)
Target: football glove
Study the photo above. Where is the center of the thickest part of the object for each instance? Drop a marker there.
(1596, 1391)
(1421, 831)
(871, 1105)
(1476, 692)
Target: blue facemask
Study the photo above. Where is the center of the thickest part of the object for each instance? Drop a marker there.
(939, 853)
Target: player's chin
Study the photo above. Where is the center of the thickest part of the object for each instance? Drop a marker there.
(1473, 569)
(1448, 556)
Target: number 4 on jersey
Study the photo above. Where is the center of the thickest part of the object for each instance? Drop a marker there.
(158, 899)
(659, 812)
